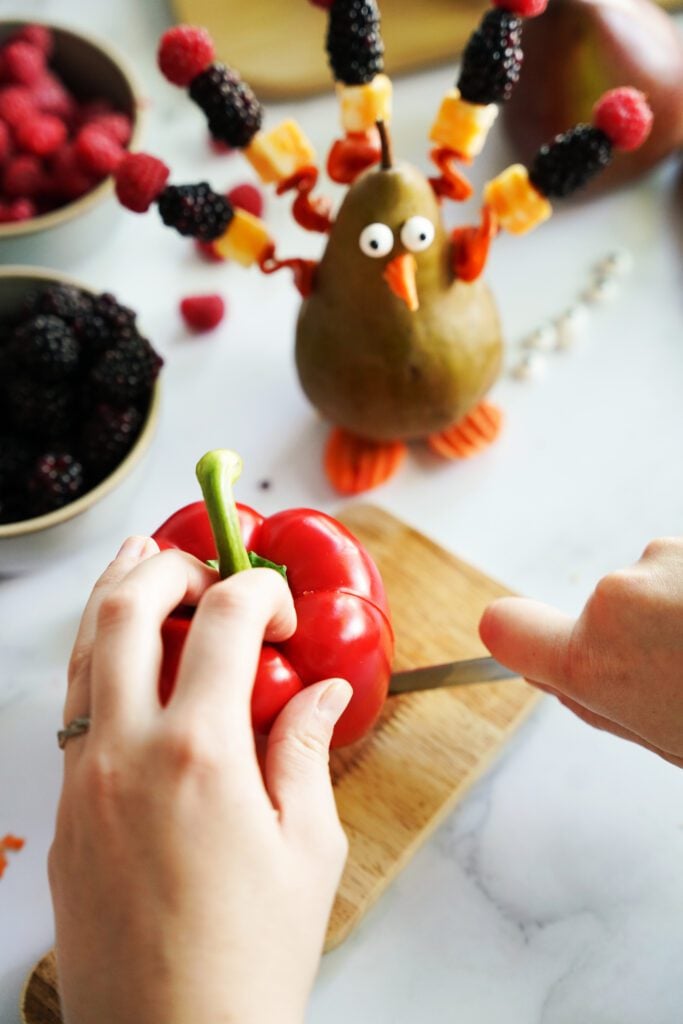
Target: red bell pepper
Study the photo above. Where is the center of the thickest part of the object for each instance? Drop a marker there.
(343, 621)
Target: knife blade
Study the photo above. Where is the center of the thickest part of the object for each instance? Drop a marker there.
(454, 673)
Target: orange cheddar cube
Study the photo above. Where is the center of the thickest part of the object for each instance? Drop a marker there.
(245, 240)
(518, 206)
(362, 106)
(280, 153)
(462, 126)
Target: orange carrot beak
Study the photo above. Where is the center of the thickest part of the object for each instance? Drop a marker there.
(400, 276)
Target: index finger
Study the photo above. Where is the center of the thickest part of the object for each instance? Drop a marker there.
(221, 654)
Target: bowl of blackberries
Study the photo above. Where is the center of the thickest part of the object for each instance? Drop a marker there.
(69, 111)
(79, 396)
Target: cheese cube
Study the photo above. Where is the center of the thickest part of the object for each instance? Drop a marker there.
(362, 106)
(281, 153)
(518, 206)
(462, 126)
(245, 239)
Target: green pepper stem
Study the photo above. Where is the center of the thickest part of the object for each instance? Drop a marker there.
(217, 471)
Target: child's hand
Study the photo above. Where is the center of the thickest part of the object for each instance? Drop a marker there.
(186, 885)
(620, 666)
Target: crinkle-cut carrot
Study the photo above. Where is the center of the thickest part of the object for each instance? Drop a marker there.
(469, 435)
(9, 842)
(354, 465)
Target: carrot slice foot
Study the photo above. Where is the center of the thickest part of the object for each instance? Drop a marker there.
(354, 465)
(470, 435)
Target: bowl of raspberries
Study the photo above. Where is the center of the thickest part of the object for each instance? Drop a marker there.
(69, 110)
(79, 398)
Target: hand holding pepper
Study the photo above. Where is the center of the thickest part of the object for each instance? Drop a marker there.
(186, 885)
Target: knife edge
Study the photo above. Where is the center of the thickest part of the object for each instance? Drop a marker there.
(454, 673)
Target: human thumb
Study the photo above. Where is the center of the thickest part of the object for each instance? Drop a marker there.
(297, 771)
(530, 638)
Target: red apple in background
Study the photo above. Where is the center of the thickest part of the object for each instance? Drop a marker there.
(575, 52)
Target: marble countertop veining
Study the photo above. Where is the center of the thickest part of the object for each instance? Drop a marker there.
(554, 893)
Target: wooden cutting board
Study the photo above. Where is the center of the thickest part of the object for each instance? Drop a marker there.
(279, 48)
(395, 786)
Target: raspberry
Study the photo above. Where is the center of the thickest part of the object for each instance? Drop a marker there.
(39, 36)
(202, 312)
(41, 134)
(354, 42)
(195, 210)
(220, 148)
(492, 59)
(23, 177)
(522, 8)
(570, 161)
(5, 142)
(55, 480)
(233, 113)
(117, 125)
(16, 104)
(23, 63)
(125, 374)
(184, 51)
(140, 179)
(18, 210)
(50, 96)
(96, 151)
(107, 436)
(625, 117)
(68, 179)
(45, 347)
(246, 197)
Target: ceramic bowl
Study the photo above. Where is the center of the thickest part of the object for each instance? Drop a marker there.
(90, 69)
(27, 544)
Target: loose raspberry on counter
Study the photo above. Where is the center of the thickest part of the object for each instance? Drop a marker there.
(184, 51)
(625, 117)
(246, 197)
(140, 179)
(41, 134)
(208, 251)
(523, 8)
(23, 63)
(219, 147)
(97, 151)
(202, 312)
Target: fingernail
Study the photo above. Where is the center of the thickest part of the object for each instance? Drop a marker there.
(334, 699)
(133, 547)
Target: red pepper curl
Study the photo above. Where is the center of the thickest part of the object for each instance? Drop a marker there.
(452, 183)
(303, 270)
(11, 843)
(314, 213)
(471, 246)
(353, 154)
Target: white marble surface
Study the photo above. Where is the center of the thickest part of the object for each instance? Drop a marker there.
(554, 894)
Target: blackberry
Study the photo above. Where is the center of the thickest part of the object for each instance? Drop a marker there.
(570, 161)
(492, 59)
(56, 479)
(107, 436)
(195, 210)
(233, 113)
(106, 323)
(46, 347)
(41, 410)
(62, 300)
(124, 375)
(354, 43)
(15, 454)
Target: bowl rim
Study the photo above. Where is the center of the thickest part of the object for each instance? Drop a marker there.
(73, 209)
(75, 508)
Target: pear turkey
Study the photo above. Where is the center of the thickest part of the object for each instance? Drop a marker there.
(398, 337)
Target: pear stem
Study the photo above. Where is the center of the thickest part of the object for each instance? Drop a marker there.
(216, 472)
(387, 149)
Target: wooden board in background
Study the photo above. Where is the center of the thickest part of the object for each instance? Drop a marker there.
(278, 45)
(395, 786)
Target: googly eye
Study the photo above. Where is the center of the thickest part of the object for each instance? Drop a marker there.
(376, 240)
(417, 234)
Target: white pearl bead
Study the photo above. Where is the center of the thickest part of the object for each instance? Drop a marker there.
(543, 339)
(569, 325)
(617, 263)
(601, 290)
(528, 367)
